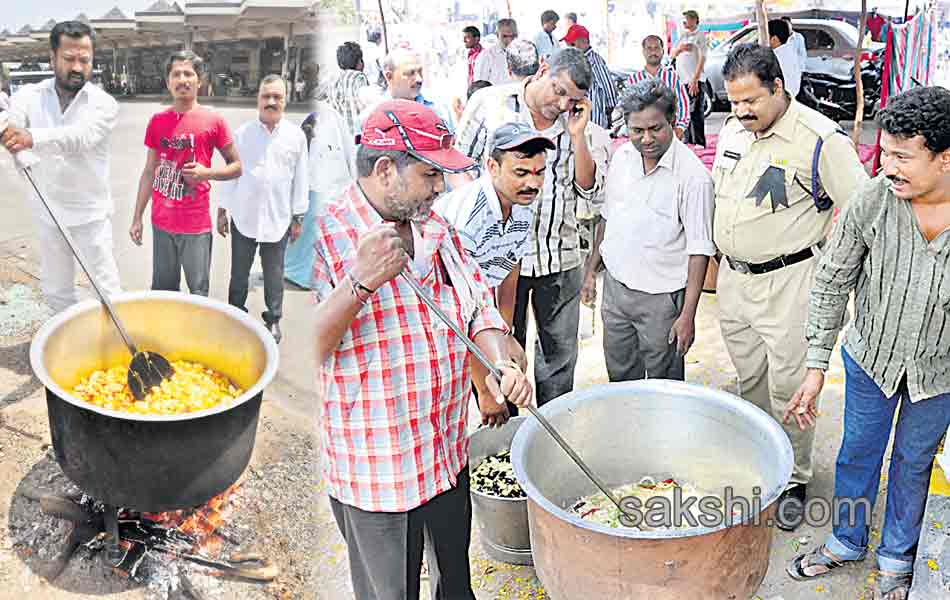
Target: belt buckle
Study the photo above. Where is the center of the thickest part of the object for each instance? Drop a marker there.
(738, 266)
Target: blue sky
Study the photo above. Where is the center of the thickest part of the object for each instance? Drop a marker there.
(17, 13)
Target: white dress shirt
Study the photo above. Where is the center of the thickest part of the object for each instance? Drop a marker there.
(798, 42)
(491, 64)
(70, 149)
(791, 67)
(656, 220)
(545, 44)
(332, 153)
(274, 183)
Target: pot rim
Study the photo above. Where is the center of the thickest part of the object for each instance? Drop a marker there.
(571, 400)
(48, 328)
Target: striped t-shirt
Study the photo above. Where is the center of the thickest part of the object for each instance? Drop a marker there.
(475, 211)
(901, 285)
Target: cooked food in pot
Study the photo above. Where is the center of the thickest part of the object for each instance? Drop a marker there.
(599, 509)
(192, 388)
(495, 476)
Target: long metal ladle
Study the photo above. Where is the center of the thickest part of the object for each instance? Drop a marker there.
(476, 351)
(147, 369)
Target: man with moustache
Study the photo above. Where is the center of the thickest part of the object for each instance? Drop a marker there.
(779, 171)
(268, 202)
(61, 129)
(654, 275)
(493, 216)
(403, 71)
(892, 249)
(553, 101)
(393, 380)
(177, 176)
(654, 69)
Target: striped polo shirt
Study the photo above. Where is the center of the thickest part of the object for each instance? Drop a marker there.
(901, 285)
(475, 211)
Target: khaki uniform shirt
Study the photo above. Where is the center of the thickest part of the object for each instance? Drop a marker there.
(757, 218)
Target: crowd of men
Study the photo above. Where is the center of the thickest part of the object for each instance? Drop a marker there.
(476, 208)
(61, 130)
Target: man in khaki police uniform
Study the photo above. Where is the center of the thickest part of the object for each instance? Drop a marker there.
(771, 218)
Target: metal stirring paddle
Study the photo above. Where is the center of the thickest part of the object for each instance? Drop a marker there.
(147, 369)
(476, 351)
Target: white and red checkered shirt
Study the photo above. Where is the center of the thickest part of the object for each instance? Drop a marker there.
(395, 392)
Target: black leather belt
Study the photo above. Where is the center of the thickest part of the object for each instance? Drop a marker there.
(775, 264)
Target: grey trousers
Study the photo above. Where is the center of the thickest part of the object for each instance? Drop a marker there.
(243, 250)
(174, 252)
(637, 332)
(385, 549)
(556, 303)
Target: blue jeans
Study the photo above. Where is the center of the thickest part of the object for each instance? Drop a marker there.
(868, 416)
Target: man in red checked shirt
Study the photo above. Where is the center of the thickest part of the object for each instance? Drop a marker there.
(393, 380)
(181, 142)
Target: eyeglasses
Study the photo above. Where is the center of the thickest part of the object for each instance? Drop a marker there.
(445, 141)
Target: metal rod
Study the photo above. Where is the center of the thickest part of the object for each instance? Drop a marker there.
(82, 263)
(477, 352)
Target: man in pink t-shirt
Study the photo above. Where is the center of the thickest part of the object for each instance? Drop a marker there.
(181, 142)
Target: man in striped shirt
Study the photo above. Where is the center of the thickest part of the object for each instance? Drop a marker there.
(493, 215)
(603, 90)
(654, 69)
(393, 380)
(344, 94)
(892, 249)
(553, 102)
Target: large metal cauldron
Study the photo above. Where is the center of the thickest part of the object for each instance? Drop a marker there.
(655, 427)
(143, 462)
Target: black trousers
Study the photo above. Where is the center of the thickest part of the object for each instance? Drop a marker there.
(243, 250)
(696, 134)
(385, 549)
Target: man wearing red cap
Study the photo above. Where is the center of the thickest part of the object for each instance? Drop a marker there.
(393, 380)
(603, 92)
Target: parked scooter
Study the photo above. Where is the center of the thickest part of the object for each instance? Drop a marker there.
(833, 93)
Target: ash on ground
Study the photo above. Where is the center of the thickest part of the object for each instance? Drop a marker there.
(21, 310)
(272, 514)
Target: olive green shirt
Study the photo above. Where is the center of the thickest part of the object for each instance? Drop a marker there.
(756, 227)
(901, 285)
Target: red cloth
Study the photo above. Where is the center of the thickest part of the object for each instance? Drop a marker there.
(178, 207)
(472, 55)
(874, 25)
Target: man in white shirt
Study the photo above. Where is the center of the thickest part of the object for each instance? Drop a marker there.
(268, 202)
(61, 128)
(797, 41)
(787, 55)
(655, 240)
(544, 40)
(493, 216)
(332, 167)
(492, 63)
(690, 55)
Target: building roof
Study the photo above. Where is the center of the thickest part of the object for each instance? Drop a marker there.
(114, 15)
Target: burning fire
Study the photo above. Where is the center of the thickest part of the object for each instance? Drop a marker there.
(200, 523)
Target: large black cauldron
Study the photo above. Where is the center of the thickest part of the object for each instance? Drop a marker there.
(153, 463)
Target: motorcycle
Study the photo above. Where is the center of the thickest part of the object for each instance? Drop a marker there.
(829, 88)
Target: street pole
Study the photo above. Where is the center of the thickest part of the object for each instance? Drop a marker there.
(382, 18)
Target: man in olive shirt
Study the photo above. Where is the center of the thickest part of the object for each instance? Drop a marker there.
(892, 248)
(771, 217)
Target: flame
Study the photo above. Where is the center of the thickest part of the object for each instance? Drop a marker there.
(202, 522)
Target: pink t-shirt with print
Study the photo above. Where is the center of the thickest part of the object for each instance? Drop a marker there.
(177, 206)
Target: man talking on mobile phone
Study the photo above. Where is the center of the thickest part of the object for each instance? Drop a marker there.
(554, 102)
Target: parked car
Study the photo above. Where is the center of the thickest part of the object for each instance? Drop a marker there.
(830, 44)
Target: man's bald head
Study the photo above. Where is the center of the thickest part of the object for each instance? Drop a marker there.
(402, 69)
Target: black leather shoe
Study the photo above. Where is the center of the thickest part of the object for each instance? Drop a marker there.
(791, 508)
(274, 329)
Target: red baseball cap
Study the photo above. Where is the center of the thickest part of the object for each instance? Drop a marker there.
(408, 126)
(576, 31)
